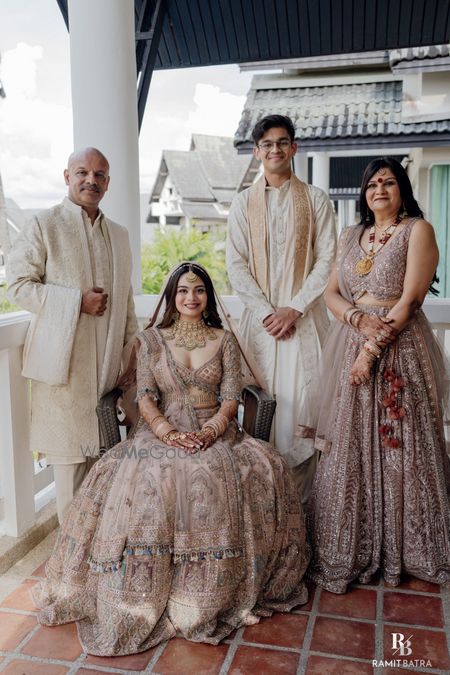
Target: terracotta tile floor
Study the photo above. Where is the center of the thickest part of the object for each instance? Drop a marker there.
(331, 635)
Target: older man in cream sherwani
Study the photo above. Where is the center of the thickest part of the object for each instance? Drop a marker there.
(71, 267)
(280, 247)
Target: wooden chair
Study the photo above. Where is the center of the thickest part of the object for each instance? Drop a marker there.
(259, 409)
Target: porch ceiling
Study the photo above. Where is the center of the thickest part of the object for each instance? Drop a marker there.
(186, 33)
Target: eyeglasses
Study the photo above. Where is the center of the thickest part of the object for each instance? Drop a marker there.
(266, 146)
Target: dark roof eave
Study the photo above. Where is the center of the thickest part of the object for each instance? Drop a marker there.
(364, 142)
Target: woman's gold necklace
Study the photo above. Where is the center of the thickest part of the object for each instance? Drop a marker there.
(364, 265)
(190, 334)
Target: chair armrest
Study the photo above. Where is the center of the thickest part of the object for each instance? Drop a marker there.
(107, 419)
(259, 408)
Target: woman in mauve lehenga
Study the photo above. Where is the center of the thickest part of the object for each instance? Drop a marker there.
(192, 527)
(380, 497)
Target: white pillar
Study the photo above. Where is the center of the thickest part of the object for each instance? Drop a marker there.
(346, 213)
(17, 467)
(342, 214)
(321, 170)
(104, 100)
(351, 211)
(301, 166)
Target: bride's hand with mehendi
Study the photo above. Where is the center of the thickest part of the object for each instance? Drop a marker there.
(361, 369)
(184, 440)
(206, 437)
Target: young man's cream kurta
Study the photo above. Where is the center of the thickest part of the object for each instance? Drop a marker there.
(286, 366)
(72, 358)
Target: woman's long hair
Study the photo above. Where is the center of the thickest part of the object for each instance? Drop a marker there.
(409, 206)
(212, 317)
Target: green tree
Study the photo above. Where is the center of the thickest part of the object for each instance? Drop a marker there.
(170, 248)
(5, 304)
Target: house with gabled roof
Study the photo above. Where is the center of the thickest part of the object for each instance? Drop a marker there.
(194, 188)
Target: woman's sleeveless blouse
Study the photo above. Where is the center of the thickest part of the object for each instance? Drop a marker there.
(385, 279)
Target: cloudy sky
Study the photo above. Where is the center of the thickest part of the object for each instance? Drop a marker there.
(36, 115)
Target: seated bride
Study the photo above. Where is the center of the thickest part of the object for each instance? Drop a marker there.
(191, 527)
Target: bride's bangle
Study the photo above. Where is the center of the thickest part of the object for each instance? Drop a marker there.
(218, 423)
(162, 429)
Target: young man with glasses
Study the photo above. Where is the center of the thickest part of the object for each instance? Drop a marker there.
(280, 247)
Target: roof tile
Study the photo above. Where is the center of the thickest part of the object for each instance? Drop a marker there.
(335, 111)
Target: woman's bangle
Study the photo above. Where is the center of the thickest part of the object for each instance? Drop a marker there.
(156, 417)
(356, 319)
(372, 348)
(162, 429)
(352, 316)
(349, 313)
(218, 423)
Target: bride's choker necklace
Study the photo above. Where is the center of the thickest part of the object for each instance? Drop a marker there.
(190, 334)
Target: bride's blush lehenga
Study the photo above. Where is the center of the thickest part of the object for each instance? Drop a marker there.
(157, 543)
(380, 499)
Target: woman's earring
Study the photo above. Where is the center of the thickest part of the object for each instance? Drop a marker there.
(176, 315)
(205, 313)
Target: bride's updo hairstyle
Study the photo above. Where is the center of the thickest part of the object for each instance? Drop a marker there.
(211, 315)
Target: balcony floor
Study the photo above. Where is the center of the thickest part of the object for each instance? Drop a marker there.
(330, 635)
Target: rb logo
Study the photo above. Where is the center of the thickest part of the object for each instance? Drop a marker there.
(401, 646)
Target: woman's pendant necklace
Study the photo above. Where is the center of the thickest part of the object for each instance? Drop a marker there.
(364, 265)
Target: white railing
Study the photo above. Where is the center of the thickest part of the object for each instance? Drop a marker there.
(22, 490)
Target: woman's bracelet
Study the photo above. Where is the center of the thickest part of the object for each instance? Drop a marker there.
(373, 349)
(156, 417)
(349, 313)
(218, 423)
(352, 316)
(162, 429)
(356, 319)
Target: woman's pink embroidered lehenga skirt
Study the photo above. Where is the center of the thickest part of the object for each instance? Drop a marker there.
(377, 506)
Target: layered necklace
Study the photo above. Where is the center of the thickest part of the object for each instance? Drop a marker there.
(190, 334)
(364, 265)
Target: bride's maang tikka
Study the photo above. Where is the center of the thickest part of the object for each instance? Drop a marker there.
(191, 276)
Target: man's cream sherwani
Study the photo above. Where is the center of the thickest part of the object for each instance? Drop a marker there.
(287, 367)
(54, 259)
